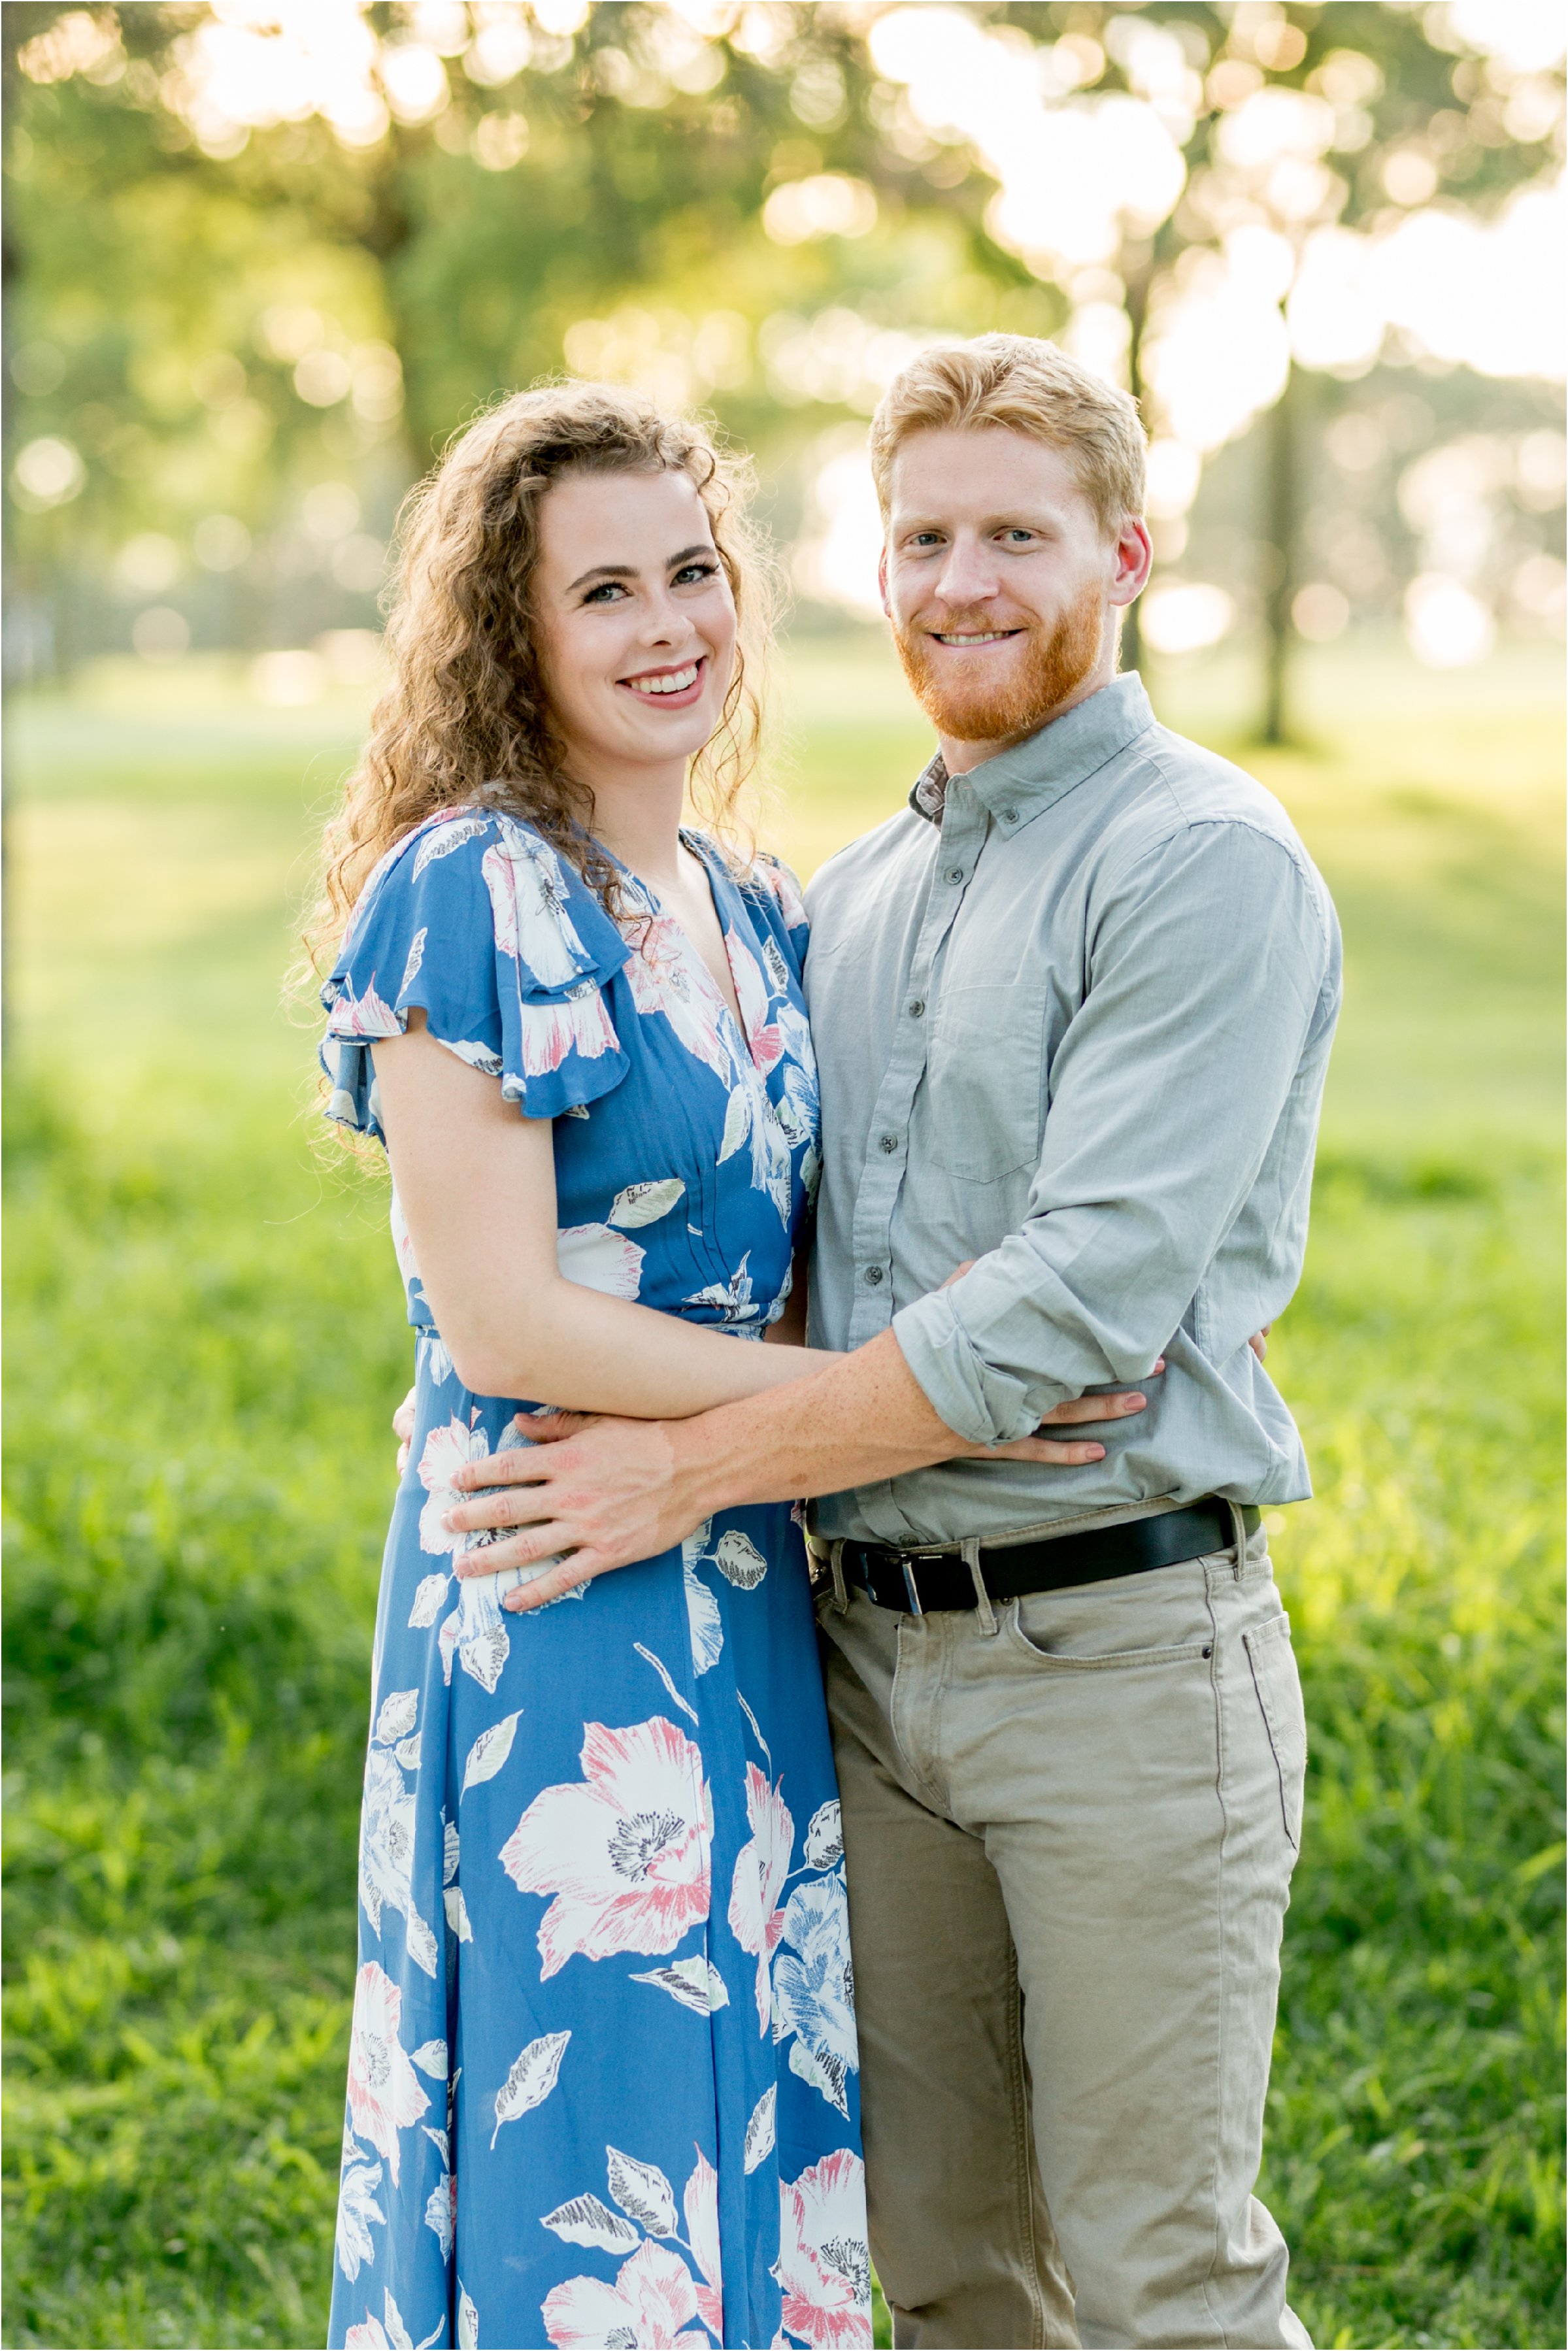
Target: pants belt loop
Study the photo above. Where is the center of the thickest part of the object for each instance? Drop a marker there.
(836, 1569)
(970, 1551)
(1239, 1531)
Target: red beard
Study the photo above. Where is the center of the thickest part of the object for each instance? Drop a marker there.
(1053, 666)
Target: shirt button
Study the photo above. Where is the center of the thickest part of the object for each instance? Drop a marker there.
(890, 1143)
(1009, 816)
(955, 873)
(873, 1276)
(918, 1007)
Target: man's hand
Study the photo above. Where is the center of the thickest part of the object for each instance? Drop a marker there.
(597, 1494)
(402, 1428)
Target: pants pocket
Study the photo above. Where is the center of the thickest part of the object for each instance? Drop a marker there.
(1279, 1688)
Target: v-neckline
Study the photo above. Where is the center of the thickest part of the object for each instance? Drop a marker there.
(735, 1014)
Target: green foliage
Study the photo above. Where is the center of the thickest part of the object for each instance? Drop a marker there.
(205, 1343)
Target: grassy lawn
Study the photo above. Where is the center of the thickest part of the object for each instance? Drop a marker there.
(206, 1341)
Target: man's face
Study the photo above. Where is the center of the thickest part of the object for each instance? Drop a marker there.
(999, 580)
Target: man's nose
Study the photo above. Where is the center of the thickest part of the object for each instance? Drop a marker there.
(968, 574)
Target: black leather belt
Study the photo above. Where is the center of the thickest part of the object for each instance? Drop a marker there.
(921, 1583)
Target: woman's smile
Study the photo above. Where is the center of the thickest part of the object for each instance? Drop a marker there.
(676, 686)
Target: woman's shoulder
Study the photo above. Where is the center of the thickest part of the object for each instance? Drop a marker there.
(773, 886)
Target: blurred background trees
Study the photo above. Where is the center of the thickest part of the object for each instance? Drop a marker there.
(263, 260)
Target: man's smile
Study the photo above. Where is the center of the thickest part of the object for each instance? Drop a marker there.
(975, 637)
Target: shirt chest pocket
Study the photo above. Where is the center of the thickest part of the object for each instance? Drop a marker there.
(984, 1095)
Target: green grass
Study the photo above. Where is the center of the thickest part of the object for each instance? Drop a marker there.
(205, 1342)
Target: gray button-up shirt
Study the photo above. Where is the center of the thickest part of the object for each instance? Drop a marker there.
(1073, 1014)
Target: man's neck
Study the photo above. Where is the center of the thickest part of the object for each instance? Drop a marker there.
(959, 757)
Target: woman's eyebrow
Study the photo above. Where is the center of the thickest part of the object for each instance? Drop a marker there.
(603, 571)
(628, 571)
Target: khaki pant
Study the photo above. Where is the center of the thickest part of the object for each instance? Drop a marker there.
(1070, 1839)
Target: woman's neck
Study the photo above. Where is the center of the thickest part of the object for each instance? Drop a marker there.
(637, 817)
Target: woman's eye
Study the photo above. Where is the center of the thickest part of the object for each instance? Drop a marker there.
(604, 593)
(690, 572)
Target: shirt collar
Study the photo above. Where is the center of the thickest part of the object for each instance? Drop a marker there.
(1027, 779)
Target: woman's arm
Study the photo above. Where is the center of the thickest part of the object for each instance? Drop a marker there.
(476, 1184)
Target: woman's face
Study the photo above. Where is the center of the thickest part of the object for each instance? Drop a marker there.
(635, 619)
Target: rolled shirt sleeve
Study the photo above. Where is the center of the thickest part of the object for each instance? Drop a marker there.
(1212, 988)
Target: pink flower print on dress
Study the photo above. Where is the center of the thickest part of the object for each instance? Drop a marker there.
(624, 1851)
(786, 889)
(385, 2094)
(371, 2336)
(762, 1035)
(824, 2261)
(578, 1023)
(700, 2202)
(665, 977)
(363, 1016)
(761, 1867)
(651, 2304)
(527, 905)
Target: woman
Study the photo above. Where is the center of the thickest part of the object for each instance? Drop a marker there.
(603, 2080)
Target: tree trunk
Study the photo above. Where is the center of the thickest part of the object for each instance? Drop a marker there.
(1284, 514)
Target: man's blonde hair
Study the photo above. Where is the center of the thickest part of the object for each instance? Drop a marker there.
(1031, 387)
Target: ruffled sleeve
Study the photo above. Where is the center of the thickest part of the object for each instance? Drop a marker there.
(476, 919)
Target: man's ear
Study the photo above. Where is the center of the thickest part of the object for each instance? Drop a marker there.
(1133, 557)
(881, 579)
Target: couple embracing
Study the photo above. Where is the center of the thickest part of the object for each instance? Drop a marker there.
(940, 1625)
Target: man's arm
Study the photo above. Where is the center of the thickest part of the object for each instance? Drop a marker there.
(1210, 1003)
(618, 1491)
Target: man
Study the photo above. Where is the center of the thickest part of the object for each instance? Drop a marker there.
(1072, 1012)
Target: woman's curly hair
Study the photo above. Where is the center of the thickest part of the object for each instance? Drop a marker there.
(464, 717)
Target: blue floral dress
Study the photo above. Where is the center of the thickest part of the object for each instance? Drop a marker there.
(602, 2074)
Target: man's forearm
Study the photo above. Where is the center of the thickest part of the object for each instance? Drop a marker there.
(865, 1419)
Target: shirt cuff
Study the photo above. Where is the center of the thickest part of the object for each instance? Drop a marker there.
(976, 1401)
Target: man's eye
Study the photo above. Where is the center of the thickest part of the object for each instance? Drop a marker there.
(689, 572)
(927, 538)
(1014, 537)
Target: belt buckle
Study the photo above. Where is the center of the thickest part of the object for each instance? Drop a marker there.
(907, 1566)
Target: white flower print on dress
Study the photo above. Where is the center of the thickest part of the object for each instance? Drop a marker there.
(733, 1298)
(813, 1987)
(384, 2092)
(824, 2261)
(700, 2204)
(363, 1016)
(651, 2304)
(761, 1867)
(357, 2208)
(444, 836)
(387, 1825)
(624, 1851)
(527, 903)
(652, 2299)
(575, 1023)
(371, 2336)
(476, 1629)
(597, 1257)
(664, 978)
